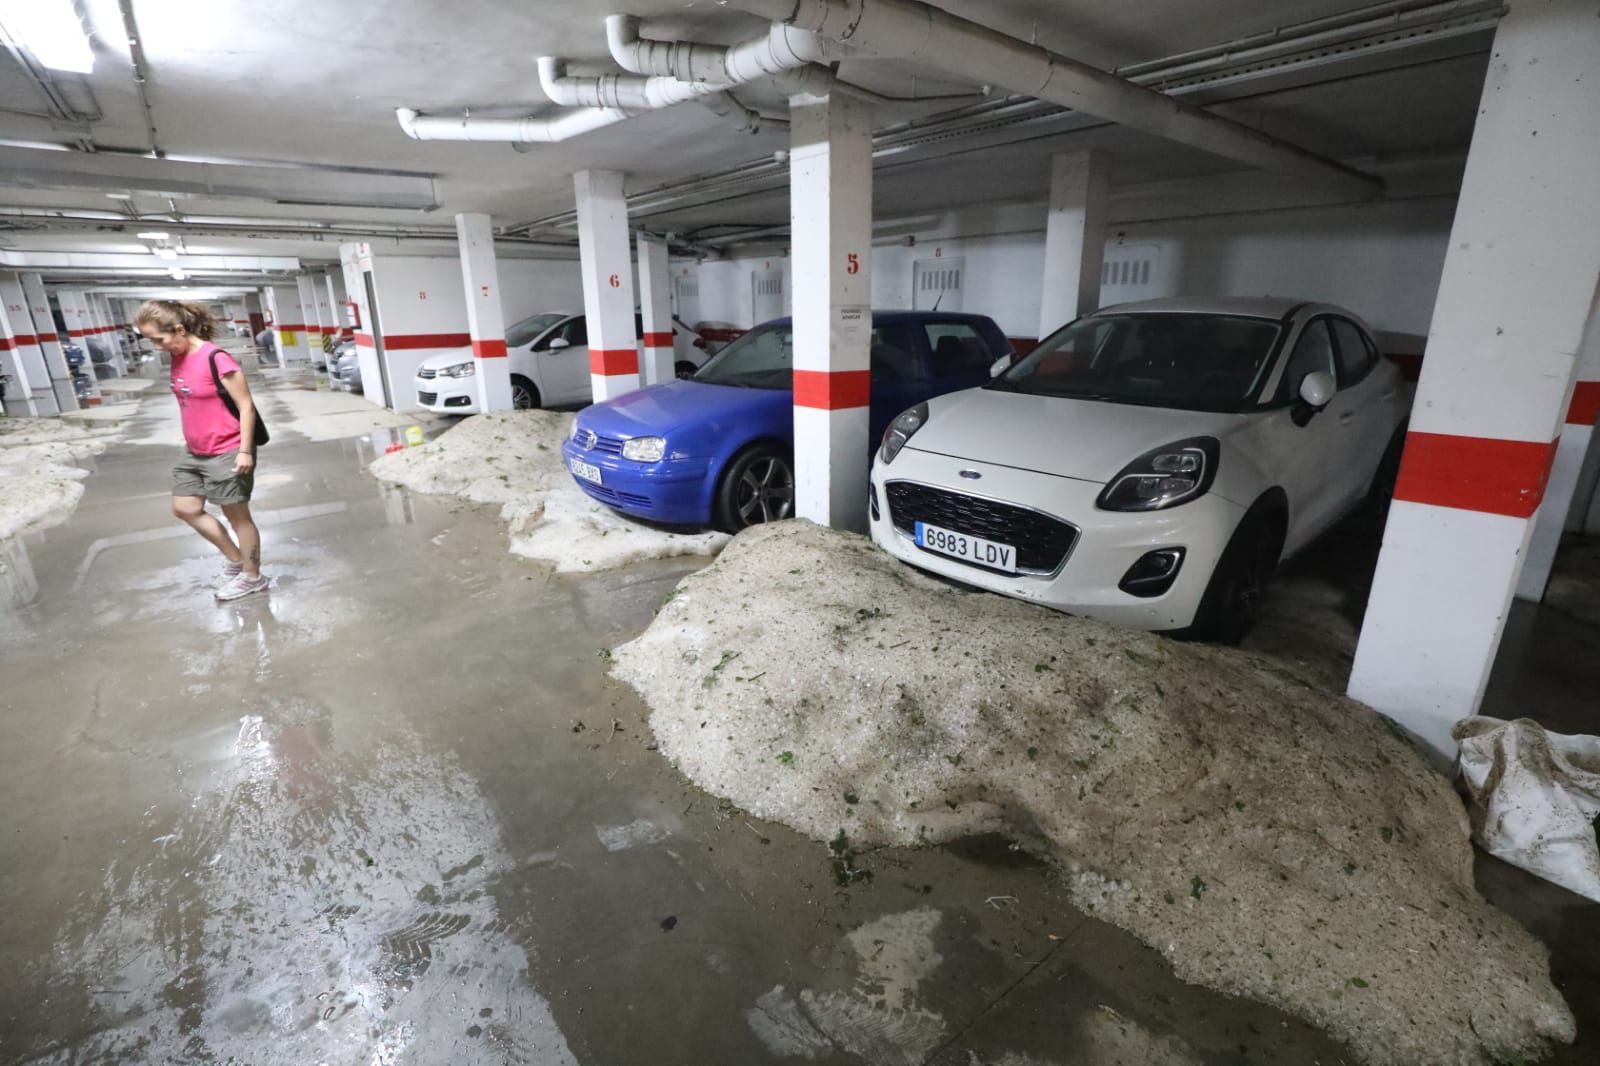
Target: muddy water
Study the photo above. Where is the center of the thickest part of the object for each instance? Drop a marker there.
(394, 812)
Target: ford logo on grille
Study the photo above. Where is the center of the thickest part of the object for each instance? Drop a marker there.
(586, 439)
(971, 475)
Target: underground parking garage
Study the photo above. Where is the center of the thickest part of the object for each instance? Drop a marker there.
(842, 531)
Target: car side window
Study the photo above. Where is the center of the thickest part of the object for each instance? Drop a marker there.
(958, 349)
(1356, 355)
(576, 332)
(1312, 352)
(894, 355)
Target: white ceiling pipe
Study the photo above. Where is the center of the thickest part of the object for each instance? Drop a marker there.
(914, 30)
(516, 130)
(780, 48)
(630, 92)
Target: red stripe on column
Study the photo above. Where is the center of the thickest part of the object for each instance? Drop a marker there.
(1475, 473)
(1585, 409)
(400, 341)
(364, 340)
(832, 391)
(658, 340)
(6, 344)
(24, 339)
(49, 338)
(489, 349)
(610, 362)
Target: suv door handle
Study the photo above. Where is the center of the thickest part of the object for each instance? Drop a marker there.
(1347, 417)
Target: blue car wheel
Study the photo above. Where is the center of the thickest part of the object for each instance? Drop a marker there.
(757, 487)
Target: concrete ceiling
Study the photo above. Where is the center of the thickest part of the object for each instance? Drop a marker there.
(282, 114)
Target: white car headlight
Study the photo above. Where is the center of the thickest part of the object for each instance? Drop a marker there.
(645, 449)
(1163, 477)
(900, 431)
(460, 370)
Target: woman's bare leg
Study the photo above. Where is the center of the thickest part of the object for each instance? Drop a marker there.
(192, 509)
(244, 527)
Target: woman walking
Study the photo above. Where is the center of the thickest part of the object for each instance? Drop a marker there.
(221, 463)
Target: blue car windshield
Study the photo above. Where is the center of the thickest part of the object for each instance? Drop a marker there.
(1196, 362)
(761, 359)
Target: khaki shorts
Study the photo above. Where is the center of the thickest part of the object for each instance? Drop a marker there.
(212, 476)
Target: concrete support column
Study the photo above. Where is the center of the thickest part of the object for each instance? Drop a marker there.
(655, 307)
(830, 211)
(1514, 298)
(28, 390)
(1576, 436)
(486, 320)
(44, 328)
(288, 322)
(1075, 238)
(607, 283)
(306, 290)
(252, 311)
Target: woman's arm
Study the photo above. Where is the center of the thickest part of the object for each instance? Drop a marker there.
(239, 389)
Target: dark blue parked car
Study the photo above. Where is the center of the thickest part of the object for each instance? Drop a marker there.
(717, 448)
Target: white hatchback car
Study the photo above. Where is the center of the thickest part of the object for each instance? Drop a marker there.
(549, 363)
(1148, 464)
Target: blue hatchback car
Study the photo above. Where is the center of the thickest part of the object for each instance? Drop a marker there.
(717, 448)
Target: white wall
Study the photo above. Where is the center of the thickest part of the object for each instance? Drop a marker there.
(529, 286)
(1381, 260)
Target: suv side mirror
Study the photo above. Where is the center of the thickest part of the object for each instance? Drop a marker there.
(558, 343)
(1316, 389)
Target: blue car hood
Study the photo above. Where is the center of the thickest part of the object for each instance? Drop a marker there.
(684, 411)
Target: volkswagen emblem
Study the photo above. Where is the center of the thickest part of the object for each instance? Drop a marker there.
(586, 439)
(971, 475)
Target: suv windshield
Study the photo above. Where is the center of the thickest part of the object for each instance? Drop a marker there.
(761, 359)
(528, 329)
(1201, 362)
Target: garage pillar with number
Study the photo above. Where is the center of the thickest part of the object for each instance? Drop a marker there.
(28, 392)
(655, 309)
(1516, 292)
(44, 328)
(288, 323)
(830, 208)
(485, 317)
(607, 264)
(1075, 238)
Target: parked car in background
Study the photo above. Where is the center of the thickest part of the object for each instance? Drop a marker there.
(344, 367)
(1149, 464)
(717, 449)
(549, 364)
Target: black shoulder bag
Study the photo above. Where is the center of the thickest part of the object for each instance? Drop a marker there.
(262, 436)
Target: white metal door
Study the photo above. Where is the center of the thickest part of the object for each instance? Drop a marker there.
(686, 298)
(1130, 272)
(936, 284)
(766, 292)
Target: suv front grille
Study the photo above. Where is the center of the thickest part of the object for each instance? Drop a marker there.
(1042, 542)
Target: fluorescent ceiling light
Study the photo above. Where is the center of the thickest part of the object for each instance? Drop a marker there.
(52, 31)
(165, 253)
(177, 274)
(153, 235)
(120, 195)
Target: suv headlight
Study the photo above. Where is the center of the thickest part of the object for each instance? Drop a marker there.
(460, 370)
(645, 449)
(1163, 477)
(901, 430)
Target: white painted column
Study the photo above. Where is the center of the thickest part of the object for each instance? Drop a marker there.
(306, 290)
(288, 322)
(830, 211)
(486, 321)
(655, 307)
(1576, 436)
(28, 390)
(1075, 238)
(607, 283)
(44, 328)
(75, 312)
(1514, 298)
(252, 310)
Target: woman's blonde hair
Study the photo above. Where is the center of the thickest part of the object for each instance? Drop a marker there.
(168, 315)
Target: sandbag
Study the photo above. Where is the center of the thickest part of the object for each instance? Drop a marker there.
(1535, 795)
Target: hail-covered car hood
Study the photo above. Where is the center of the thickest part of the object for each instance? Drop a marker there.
(1085, 439)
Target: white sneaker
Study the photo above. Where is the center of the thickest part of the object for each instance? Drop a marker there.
(241, 586)
(231, 570)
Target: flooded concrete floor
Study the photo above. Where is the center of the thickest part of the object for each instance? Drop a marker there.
(395, 812)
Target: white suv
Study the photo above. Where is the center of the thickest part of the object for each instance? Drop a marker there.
(1148, 464)
(549, 364)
